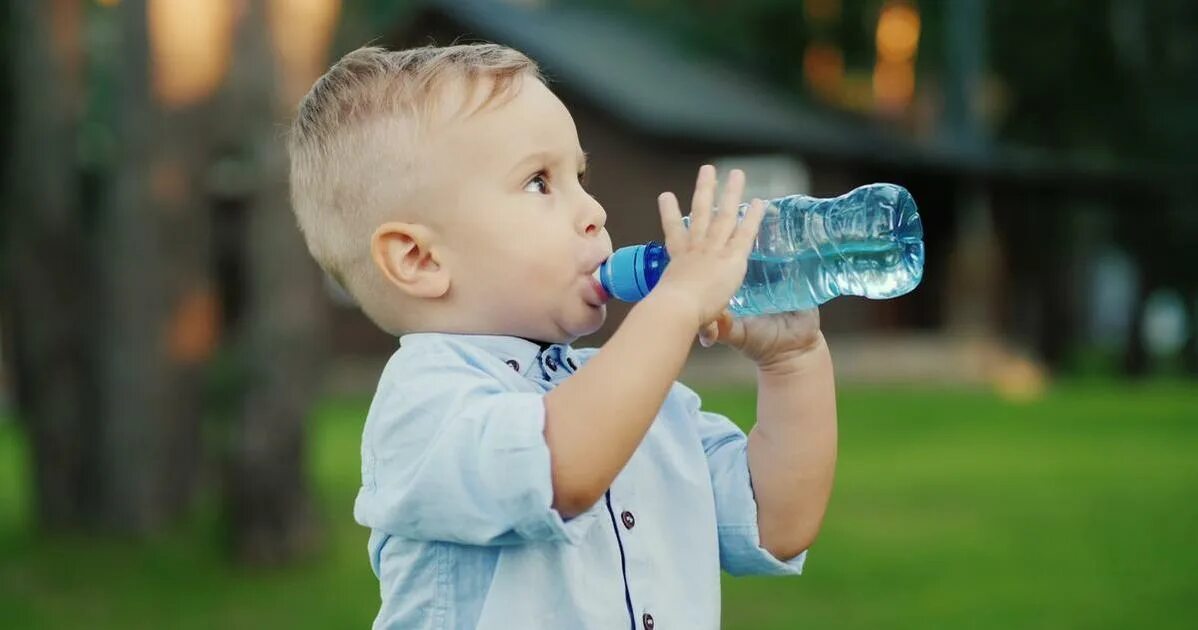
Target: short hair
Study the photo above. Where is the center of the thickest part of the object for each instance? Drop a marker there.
(357, 128)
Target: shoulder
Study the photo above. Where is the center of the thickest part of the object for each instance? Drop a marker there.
(423, 384)
(441, 363)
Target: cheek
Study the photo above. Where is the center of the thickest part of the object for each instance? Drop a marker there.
(535, 258)
(533, 273)
(551, 255)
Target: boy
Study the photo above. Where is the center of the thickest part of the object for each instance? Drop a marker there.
(510, 480)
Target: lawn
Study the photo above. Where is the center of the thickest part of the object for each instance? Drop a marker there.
(952, 509)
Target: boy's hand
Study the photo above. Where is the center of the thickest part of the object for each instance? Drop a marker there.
(772, 341)
(708, 260)
(707, 265)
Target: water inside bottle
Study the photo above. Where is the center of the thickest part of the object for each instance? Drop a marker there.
(875, 269)
(867, 243)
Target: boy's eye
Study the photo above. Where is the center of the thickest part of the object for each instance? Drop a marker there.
(537, 184)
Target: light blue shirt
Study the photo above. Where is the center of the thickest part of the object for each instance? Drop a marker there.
(456, 492)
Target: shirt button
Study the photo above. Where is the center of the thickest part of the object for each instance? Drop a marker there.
(629, 519)
(647, 621)
(513, 364)
(551, 363)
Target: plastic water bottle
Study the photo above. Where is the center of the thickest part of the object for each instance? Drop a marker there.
(867, 242)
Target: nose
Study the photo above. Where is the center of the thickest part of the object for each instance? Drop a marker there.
(593, 216)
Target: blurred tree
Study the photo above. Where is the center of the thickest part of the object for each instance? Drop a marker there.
(49, 278)
(110, 315)
(100, 283)
(157, 315)
(1119, 86)
(266, 497)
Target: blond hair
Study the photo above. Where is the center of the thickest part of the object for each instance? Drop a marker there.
(357, 130)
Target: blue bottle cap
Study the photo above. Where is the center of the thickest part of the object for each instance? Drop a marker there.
(632, 272)
(622, 275)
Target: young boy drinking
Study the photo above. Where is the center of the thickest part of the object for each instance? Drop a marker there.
(510, 480)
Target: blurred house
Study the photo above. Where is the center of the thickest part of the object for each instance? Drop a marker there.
(649, 113)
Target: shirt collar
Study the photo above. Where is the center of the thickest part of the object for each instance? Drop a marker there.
(519, 353)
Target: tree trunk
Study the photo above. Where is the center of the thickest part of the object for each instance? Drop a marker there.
(266, 491)
(155, 327)
(92, 320)
(47, 270)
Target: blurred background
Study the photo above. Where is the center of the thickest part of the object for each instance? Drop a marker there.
(182, 392)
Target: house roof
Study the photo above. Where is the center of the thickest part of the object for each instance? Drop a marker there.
(633, 73)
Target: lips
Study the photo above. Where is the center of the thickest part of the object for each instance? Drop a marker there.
(600, 296)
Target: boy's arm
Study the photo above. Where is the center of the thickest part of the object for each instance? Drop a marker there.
(595, 420)
(792, 448)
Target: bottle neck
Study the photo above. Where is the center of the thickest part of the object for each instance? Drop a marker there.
(655, 260)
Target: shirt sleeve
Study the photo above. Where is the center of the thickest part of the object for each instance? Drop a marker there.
(726, 448)
(450, 454)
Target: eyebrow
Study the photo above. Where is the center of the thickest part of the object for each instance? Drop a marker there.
(544, 156)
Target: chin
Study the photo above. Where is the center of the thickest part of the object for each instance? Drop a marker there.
(594, 323)
(585, 325)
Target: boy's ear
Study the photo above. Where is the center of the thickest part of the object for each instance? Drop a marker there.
(402, 251)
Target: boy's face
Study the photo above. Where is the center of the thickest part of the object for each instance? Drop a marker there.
(520, 236)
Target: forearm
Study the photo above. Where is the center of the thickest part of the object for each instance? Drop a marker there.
(792, 449)
(596, 419)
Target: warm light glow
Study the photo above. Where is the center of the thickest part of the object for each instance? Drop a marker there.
(898, 32)
(894, 84)
(1020, 380)
(193, 332)
(823, 67)
(822, 10)
(301, 31)
(190, 45)
(897, 41)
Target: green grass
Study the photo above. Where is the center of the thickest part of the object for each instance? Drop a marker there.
(952, 509)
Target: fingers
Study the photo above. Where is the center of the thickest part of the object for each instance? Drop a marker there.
(671, 220)
(724, 221)
(724, 329)
(706, 226)
(732, 331)
(701, 203)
